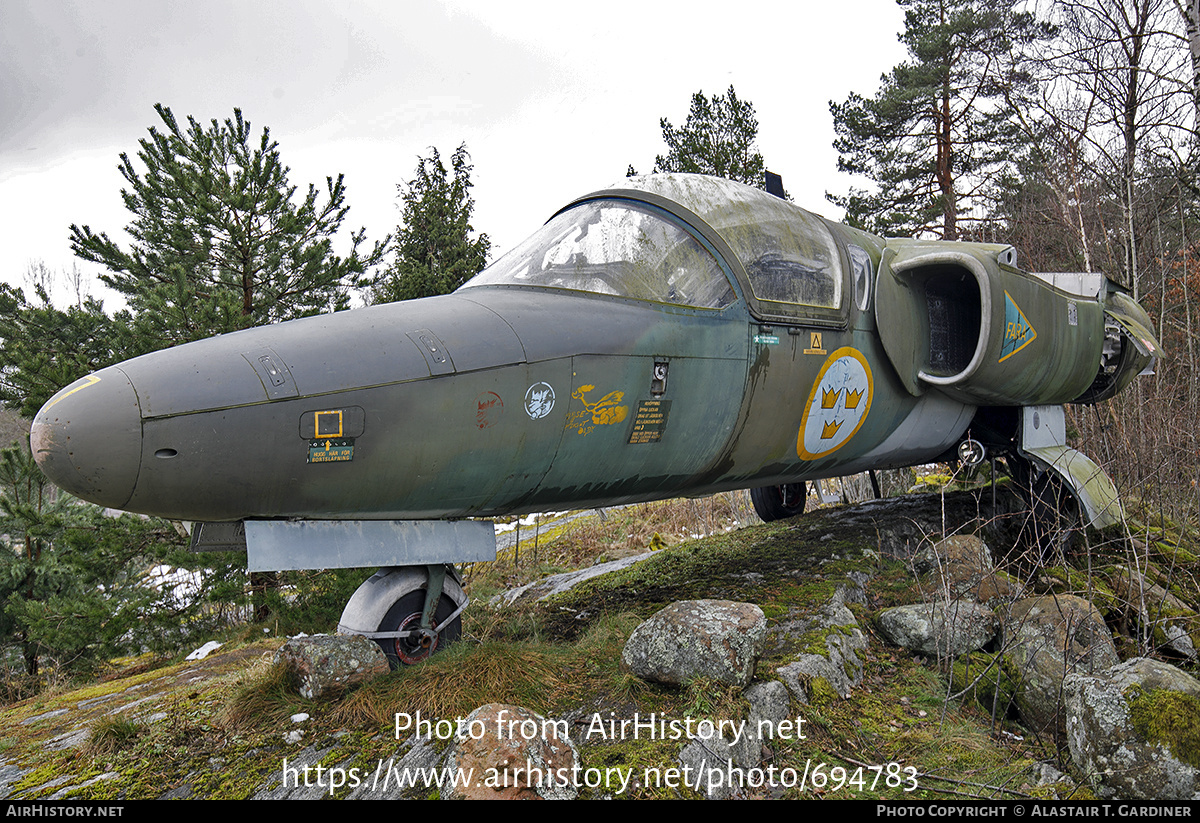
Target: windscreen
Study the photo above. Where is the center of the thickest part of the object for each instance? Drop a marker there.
(616, 247)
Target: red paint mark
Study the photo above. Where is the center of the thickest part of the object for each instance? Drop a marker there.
(488, 408)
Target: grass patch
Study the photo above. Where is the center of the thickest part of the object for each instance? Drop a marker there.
(266, 695)
(110, 735)
(465, 676)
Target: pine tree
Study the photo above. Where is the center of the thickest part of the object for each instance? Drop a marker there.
(220, 240)
(73, 582)
(717, 138)
(43, 348)
(940, 127)
(435, 253)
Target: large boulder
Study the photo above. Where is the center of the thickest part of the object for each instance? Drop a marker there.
(941, 630)
(961, 566)
(718, 639)
(1134, 730)
(1046, 638)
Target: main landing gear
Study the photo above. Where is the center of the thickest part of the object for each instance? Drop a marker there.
(1054, 519)
(410, 611)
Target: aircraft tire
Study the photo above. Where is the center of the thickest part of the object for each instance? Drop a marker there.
(779, 502)
(406, 613)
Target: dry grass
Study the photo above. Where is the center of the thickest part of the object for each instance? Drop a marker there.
(526, 675)
(267, 694)
(110, 735)
(607, 534)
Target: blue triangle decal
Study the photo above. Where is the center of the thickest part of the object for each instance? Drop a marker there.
(1017, 332)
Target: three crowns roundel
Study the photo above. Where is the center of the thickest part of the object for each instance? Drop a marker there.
(837, 405)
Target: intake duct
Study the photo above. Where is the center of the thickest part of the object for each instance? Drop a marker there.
(961, 319)
(952, 309)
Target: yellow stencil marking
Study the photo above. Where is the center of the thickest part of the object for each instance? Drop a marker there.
(603, 412)
(324, 428)
(90, 380)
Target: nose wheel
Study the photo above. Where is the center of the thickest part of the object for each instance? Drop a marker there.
(778, 502)
(416, 643)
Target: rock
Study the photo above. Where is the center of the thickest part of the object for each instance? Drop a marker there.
(1045, 639)
(769, 706)
(296, 778)
(960, 566)
(718, 639)
(401, 773)
(836, 632)
(940, 630)
(324, 661)
(1171, 622)
(559, 583)
(712, 751)
(513, 754)
(1134, 730)
(707, 757)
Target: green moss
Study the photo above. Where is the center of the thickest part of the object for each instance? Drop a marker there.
(1179, 555)
(986, 678)
(1169, 718)
(1077, 582)
(821, 692)
(932, 482)
(796, 564)
(637, 757)
(817, 641)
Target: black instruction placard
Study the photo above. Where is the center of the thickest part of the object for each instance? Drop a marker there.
(650, 421)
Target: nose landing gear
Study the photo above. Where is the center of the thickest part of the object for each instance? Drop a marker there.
(778, 502)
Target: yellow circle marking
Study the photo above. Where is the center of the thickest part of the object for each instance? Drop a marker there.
(837, 405)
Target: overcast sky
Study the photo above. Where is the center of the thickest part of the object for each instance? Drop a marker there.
(553, 99)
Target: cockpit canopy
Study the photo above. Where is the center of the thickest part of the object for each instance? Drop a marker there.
(617, 247)
(635, 241)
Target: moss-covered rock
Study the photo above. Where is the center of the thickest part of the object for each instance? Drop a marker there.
(939, 629)
(1046, 638)
(716, 639)
(1134, 730)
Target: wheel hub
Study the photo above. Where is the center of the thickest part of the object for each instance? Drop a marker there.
(418, 645)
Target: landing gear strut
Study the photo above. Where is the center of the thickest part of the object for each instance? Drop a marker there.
(1054, 519)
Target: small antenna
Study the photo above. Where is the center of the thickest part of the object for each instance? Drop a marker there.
(775, 185)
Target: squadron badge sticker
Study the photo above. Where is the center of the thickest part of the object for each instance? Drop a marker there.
(539, 400)
(837, 405)
(1018, 333)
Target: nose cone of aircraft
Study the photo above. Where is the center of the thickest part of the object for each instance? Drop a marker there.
(88, 438)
